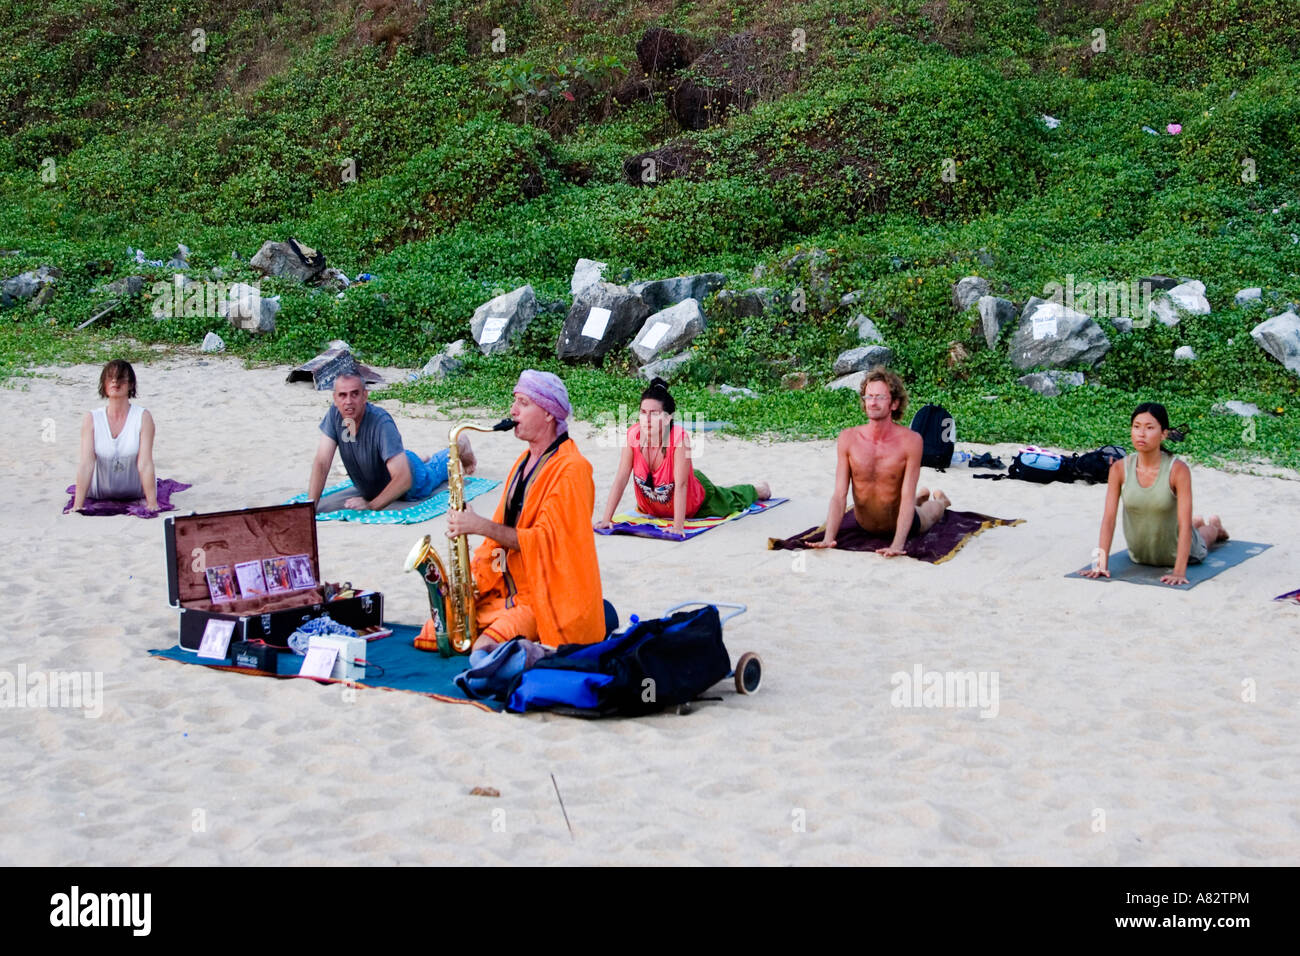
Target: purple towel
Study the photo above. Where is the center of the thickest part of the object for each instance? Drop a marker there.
(137, 507)
(948, 536)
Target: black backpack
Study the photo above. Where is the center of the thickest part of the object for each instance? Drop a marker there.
(1094, 466)
(652, 665)
(938, 434)
(1043, 467)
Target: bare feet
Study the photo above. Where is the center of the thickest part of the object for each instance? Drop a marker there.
(467, 460)
(922, 496)
(940, 497)
(764, 490)
(1216, 527)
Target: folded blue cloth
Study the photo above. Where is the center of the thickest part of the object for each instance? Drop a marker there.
(492, 672)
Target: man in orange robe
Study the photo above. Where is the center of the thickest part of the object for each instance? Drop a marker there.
(536, 572)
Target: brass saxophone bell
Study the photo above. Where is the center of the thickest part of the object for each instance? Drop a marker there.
(451, 586)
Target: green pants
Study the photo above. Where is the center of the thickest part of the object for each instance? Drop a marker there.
(720, 502)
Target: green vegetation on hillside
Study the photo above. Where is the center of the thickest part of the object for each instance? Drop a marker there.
(252, 128)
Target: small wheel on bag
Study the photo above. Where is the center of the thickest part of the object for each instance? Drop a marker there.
(749, 673)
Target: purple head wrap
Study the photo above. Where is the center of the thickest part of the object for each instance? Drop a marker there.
(546, 389)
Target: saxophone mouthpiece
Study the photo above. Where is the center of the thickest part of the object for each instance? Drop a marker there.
(504, 425)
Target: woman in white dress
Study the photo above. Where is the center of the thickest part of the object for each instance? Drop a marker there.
(117, 444)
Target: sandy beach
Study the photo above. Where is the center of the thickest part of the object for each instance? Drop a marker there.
(1133, 726)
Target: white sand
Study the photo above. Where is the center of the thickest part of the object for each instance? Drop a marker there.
(1113, 698)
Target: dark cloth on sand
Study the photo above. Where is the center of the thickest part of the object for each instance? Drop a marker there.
(948, 536)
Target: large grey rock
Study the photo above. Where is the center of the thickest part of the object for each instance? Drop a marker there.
(445, 362)
(737, 392)
(500, 321)
(1051, 335)
(27, 284)
(585, 273)
(867, 331)
(126, 288)
(1234, 407)
(212, 342)
(862, 359)
(967, 291)
(749, 303)
(661, 293)
(995, 315)
(814, 259)
(853, 380)
(1247, 296)
(665, 368)
(668, 330)
(1280, 338)
(248, 309)
(1190, 297)
(604, 317)
(1051, 383)
(279, 259)
(1163, 310)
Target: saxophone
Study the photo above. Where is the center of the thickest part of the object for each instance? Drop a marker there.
(451, 596)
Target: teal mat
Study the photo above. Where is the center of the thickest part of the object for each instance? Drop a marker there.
(400, 512)
(394, 662)
(1227, 555)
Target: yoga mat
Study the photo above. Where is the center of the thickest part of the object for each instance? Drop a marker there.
(404, 668)
(1227, 555)
(114, 506)
(399, 512)
(948, 536)
(644, 526)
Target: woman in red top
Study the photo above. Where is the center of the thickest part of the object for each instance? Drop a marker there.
(666, 485)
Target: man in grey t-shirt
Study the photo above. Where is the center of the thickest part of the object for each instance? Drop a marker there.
(380, 467)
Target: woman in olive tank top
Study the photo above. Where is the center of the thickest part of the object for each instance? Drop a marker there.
(1156, 491)
(657, 457)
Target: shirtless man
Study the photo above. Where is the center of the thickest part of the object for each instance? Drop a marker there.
(884, 460)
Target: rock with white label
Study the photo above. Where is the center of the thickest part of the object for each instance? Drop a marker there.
(498, 322)
(1053, 336)
(668, 330)
(603, 317)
